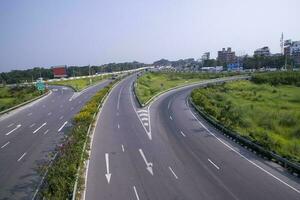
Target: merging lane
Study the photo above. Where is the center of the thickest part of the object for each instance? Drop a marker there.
(165, 151)
(28, 135)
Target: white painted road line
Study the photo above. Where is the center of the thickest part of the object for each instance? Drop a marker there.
(18, 126)
(238, 153)
(142, 111)
(107, 175)
(10, 125)
(118, 125)
(171, 118)
(182, 134)
(136, 194)
(123, 149)
(29, 114)
(143, 115)
(21, 157)
(32, 125)
(148, 164)
(62, 126)
(36, 130)
(144, 119)
(49, 113)
(5, 145)
(119, 96)
(46, 131)
(173, 172)
(61, 117)
(146, 124)
(216, 166)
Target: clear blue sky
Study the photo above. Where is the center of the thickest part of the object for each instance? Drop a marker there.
(54, 32)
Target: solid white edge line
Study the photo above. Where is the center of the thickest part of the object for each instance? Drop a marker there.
(22, 156)
(136, 194)
(5, 145)
(173, 172)
(216, 166)
(259, 167)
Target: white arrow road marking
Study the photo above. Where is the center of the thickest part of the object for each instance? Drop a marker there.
(18, 126)
(173, 172)
(5, 145)
(107, 175)
(21, 157)
(62, 126)
(136, 194)
(44, 124)
(216, 166)
(148, 164)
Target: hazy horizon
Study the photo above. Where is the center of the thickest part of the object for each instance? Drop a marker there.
(48, 33)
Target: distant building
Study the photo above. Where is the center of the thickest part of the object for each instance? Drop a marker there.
(60, 71)
(264, 51)
(205, 56)
(226, 56)
(292, 48)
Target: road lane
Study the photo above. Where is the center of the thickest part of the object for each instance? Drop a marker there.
(186, 160)
(28, 147)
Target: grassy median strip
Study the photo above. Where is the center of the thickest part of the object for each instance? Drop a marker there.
(12, 96)
(152, 83)
(61, 175)
(265, 113)
(79, 84)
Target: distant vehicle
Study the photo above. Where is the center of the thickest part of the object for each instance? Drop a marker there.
(114, 76)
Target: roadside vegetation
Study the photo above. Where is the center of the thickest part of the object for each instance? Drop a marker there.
(265, 110)
(152, 83)
(61, 175)
(12, 96)
(79, 84)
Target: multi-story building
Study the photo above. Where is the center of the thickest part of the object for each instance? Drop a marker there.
(292, 48)
(205, 56)
(264, 51)
(226, 56)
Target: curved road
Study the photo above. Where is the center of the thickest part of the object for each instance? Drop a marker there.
(165, 151)
(30, 133)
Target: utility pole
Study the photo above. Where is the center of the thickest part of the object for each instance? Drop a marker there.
(90, 74)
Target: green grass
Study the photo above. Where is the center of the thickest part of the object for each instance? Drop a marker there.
(268, 115)
(79, 84)
(153, 83)
(10, 97)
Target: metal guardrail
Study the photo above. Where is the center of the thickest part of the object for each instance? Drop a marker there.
(290, 166)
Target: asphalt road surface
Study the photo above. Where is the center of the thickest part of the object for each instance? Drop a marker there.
(29, 134)
(165, 151)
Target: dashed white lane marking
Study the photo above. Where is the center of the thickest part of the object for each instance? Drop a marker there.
(36, 130)
(216, 166)
(29, 114)
(18, 126)
(22, 157)
(182, 134)
(62, 126)
(119, 96)
(5, 145)
(250, 161)
(46, 131)
(32, 125)
(171, 118)
(136, 194)
(173, 172)
(61, 117)
(118, 125)
(10, 125)
(123, 149)
(169, 105)
(50, 113)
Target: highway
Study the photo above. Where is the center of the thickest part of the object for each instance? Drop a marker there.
(30, 133)
(165, 151)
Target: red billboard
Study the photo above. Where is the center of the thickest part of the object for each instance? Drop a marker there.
(59, 71)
